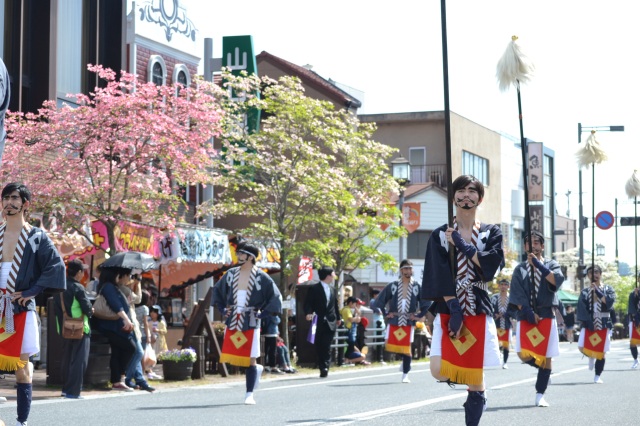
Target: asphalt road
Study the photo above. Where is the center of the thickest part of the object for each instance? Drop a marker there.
(372, 395)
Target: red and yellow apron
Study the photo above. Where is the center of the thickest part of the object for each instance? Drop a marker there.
(463, 358)
(534, 340)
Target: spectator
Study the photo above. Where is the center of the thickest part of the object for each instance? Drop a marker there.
(158, 329)
(378, 323)
(283, 359)
(75, 352)
(119, 332)
(420, 346)
(92, 286)
(569, 323)
(133, 370)
(351, 317)
(270, 329)
(633, 311)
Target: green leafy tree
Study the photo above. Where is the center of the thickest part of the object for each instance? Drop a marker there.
(312, 180)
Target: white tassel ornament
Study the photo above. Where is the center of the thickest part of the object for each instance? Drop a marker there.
(632, 187)
(591, 152)
(513, 67)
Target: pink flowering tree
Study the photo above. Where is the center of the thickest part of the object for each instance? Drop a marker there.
(120, 154)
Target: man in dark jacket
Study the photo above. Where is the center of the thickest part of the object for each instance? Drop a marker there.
(322, 301)
(75, 351)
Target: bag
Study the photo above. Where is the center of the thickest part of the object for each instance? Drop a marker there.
(149, 358)
(102, 310)
(72, 328)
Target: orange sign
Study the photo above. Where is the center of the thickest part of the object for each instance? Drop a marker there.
(411, 216)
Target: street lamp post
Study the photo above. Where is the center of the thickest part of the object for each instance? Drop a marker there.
(581, 129)
(400, 170)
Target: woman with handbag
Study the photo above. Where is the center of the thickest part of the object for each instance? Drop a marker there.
(119, 331)
(75, 356)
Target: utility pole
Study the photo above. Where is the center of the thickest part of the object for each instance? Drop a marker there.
(568, 209)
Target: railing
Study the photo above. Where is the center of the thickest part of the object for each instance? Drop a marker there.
(436, 173)
(373, 337)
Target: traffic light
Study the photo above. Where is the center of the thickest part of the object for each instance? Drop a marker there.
(585, 222)
(630, 221)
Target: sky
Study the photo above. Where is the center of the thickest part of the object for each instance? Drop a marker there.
(584, 53)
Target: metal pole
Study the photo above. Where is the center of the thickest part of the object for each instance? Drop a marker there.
(615, 223)
(635, 228)
(580, 213)
(401, 202)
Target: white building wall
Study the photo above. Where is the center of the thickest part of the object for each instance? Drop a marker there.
(433, 213)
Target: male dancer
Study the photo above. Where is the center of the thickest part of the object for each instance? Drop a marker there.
(595, 305)
(30, 264)
(321, 301)
(244, 295)
(533, 288)
(502, 316)
(463, 306)
(402, 304)
(634, 324)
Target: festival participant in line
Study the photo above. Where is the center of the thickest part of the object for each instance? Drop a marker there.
(244, 295)
(502, 315)
(595, 305)
(463, 306)
(634, 324)
(533, 288)
(322, 302)
(402, 304)
(30, 264)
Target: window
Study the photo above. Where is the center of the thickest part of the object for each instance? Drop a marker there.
(69, 61)
(475, 166)
(417, 244)
(417, 159)
(157, 70)
(181, 77)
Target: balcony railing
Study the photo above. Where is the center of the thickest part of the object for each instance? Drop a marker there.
(436, 173)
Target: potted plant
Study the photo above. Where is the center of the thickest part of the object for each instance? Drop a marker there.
(177, 364)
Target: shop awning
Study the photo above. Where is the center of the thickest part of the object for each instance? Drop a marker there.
(568, 299)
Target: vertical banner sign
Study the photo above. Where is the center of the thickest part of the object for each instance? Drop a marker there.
(537, 218)
(237, 55)
(305, 270)
(536, 173)
(411, 216)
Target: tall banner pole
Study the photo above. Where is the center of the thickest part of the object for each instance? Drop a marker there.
(514, 68)
(591, 154)
(632, 188)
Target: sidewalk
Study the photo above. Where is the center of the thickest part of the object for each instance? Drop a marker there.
(41, 391)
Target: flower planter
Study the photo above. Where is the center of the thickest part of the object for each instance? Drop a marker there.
(177, 370)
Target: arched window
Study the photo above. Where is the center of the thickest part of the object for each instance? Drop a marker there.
(157, 70)
(181, 77)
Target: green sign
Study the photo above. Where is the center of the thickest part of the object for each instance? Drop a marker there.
(237, 55)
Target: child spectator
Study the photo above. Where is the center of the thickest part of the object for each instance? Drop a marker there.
(158, 329)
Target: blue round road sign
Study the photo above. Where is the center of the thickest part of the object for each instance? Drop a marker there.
(604, 220)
